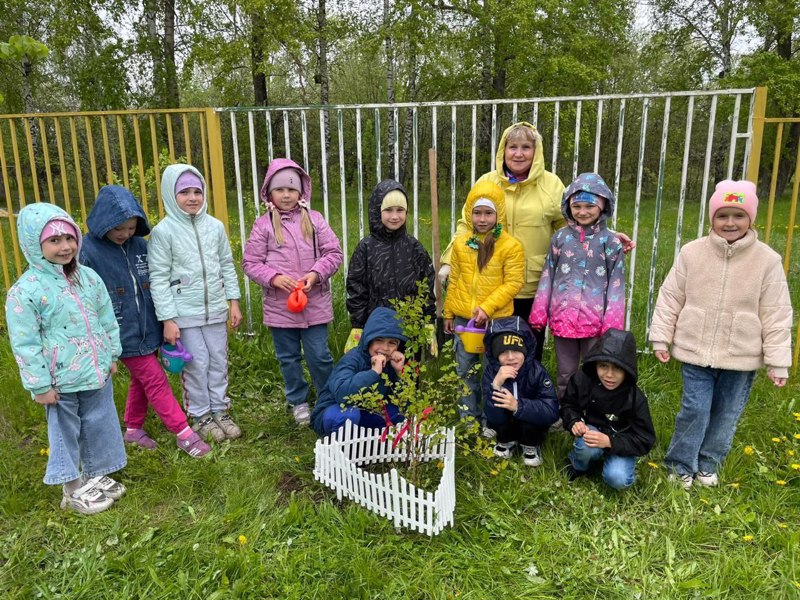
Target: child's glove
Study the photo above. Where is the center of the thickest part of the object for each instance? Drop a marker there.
(352, 339)
(434, 346)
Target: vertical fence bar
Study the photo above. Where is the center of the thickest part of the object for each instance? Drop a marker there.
(240, 203)
(324, 164)
(137, 137)
(26, 127)
(270, 149)
(494, 137)
(637, 204)
(535, 115)
(62, 166)
(342, 187)
(734, 130)
(46, 154)
(435, 145)
(217, 168)
(474, 128)
(684, 173)
(618, 165)
(792, 214)
(186, 138)
(157, 164)
(76, 159)
(756, 133)
(556, 112)
(359, 175)
(107, 150)
(251, 130)
(712, 117)
(773, 181)
(123, 157)
(204, 140)
(377, 145)
(90, 149)
(396, 117)
(514, 112)
(577, 147)
(304, 132)
(597, 136)
(10, 208)
(170, 137)
(415, 158)
(657, 218)
(748, 137)
(286, 140)
(453, 170)
(17, 164)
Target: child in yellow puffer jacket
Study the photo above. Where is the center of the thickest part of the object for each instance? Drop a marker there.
(487, 271)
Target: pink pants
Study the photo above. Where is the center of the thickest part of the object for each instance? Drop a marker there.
(149, 383)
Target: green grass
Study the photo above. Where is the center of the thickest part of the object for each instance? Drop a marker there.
(518, 533)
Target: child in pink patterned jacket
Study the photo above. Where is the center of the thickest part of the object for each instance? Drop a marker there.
(290, 245)
(581, 293)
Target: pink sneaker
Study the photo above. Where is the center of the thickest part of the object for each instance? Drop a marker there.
(140, 438)
(194, 445)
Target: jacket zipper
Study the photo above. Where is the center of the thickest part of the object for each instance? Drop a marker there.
(297, 254)
(95, 359)
(202, 266)
(728, 252)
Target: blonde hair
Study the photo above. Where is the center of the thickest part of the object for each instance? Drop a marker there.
(524, 132)
(305, 225)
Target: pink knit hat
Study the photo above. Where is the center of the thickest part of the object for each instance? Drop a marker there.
(56, 227)
(738, 194)
(286, 178)
(188, 179)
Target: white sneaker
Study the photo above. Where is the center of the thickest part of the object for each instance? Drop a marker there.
(87, 500)
(302, 414)
(504, 449)
(488, 432)
(685, 481)
(557, 426)
(532, 456)
(113, 489)
(707, 479)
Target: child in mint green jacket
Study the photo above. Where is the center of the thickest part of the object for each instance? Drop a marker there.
(65, 341)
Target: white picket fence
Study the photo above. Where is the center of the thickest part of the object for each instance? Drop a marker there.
(337, 460)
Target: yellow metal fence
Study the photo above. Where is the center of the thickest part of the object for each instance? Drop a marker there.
(64, 158)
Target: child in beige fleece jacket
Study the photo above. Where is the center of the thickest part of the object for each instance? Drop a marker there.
(724, 309)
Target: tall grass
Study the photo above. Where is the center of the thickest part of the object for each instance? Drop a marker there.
(249, 521)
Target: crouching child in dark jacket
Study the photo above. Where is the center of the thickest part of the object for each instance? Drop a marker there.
(379, 352)
(520, 397)
(607, 412)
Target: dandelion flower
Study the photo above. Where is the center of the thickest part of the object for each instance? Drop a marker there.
(797, 436)
(703, 500)
(780, 482)
(782, 525)
(795, 466)
(44, 452)
(297, 459)
(748, 450)
(652, 465)
(777, 440)
(747, 538)
(734, 485)
(242, 540)
(493, 472)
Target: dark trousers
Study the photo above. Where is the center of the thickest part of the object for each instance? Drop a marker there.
(522, 308)
(510, 429)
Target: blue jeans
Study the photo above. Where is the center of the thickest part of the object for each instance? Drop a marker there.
(465, 363)
(318, 358)
(85, 436)
(713, 401)
(335, 416)
(618, 471)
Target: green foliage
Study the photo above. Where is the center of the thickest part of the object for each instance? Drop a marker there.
(164, 161)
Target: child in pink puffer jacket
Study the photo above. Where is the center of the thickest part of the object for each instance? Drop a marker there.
(289, 245)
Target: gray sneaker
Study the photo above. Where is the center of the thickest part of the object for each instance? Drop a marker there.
(86, 500)
(531, 456)
(206, 427)
(302, 414)
(504, 449)
(113, 489)
(226, 424)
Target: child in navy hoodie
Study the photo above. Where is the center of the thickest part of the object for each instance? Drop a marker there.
(115, 248)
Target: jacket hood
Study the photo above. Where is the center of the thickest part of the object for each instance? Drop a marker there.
(168, 180)
(30, 223)
(285, 163)
(617, 347)
(115, 205)
(537, 167)
(588, 182)
(382, 322)
(374, 209)
(516, 325)
(491, 191)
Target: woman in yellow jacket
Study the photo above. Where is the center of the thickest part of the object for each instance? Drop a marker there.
(487, 266)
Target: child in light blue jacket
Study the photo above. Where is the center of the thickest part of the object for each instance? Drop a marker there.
(65, 340)
(192, 279)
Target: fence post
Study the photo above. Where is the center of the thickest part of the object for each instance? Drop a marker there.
(759, 113)
(216, 167)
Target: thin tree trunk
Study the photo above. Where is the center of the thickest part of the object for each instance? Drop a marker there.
(154, 45)
(783, 48)
(412, 97)
(324, 83)
(260, 97)
(390, 96)
(171, 95)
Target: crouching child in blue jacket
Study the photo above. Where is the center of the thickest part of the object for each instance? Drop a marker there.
(520, 396)
(607, 412)
(380, 351)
